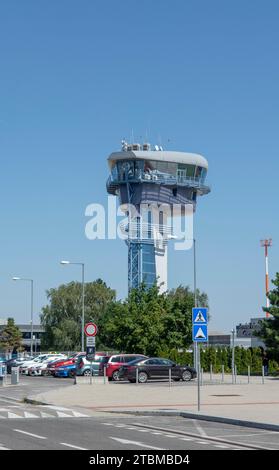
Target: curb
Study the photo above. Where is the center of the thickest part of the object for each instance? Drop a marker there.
(216, 419)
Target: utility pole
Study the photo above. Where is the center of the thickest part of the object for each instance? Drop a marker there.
(266, 243)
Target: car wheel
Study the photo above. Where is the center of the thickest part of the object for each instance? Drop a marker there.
(142, 377)
(186, 376)
(87, 372)
(115, 376)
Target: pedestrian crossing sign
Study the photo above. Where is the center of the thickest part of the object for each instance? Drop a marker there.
(199, 316)
(200, 333)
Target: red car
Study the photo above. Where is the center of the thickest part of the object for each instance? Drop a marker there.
(116, 361)
(52, 366)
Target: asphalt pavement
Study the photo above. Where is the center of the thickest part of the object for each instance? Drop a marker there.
(25, 426)
(133, 433)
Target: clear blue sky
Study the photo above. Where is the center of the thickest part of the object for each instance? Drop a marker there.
(77, 77)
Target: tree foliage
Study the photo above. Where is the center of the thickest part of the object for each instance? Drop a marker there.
(10, 337)
(61, 318)
(150, 322)
(269, 332)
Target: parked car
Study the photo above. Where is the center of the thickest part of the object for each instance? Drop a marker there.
(40, 368)
(53, 365)
(23, 368)
(15, 362)
(83, 366)
(116, 361)
(65, 371)
(156, 368)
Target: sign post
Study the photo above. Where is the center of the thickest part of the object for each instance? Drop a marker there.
(199, 335)
(90, 330)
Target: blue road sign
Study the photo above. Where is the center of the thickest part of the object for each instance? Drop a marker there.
(199, 316)
(200, 333)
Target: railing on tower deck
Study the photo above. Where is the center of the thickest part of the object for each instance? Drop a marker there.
(144, 232)
(156, 178)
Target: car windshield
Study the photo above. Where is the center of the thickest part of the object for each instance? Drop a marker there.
(101, 359)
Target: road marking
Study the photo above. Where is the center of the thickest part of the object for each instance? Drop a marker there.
(199, 428)
(29, 415)
(13, 415)
(72, 446)
(77, 414)
(29, 434)
(136, 443)
(2, 447)
(63, 415)
(46, 415)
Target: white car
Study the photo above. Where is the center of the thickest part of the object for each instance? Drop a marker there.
(35, 362)
(38, 369)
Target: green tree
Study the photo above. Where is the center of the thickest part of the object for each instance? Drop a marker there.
(150, 322)
(10, 337)
(61, 318)
(269, 331)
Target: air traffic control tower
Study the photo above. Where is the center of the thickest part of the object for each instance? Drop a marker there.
(147, 181)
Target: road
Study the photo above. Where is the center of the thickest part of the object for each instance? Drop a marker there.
(25, 426)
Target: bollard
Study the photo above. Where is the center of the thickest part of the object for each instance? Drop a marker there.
(223, 370)
(15, 375)
(169, 377)
(248, 374)
(105, 374)
(137, 375)
(210, 372)
(235, 374)
(263, 374)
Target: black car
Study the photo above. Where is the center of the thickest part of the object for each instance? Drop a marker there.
(156, 368)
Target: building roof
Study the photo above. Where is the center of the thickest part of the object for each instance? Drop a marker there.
(161, 155)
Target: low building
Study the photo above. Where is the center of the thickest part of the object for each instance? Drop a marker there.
(218, 339)
(246, 334)
(38, 332)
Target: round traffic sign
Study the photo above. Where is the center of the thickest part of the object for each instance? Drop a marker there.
(90, 329)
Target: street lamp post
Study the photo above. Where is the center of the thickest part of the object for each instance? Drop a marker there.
(32, 303)
(196, 359)
(233, 332)
(82, 296)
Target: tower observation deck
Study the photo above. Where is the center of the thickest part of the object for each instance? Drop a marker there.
(149, 184)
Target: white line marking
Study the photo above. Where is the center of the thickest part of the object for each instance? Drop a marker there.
(72, 446)
(3, 447)
(13, 415)
(77, 414)
(30, 415)
(199, 429)
(136, 443)
(63, 415)
(29, 434)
